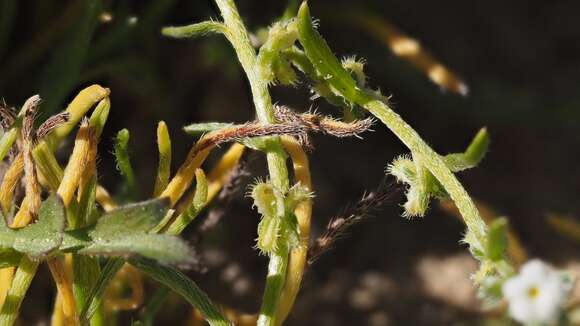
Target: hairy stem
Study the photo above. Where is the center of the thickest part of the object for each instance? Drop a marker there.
(434, 162)
(303, 212)
(238, 36)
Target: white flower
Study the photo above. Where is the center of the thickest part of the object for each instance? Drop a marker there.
(536, 294)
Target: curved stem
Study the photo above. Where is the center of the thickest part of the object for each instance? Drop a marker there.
(238, 37)
(303, 212)
(476, 226)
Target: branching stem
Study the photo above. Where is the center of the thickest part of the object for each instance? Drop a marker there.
(238, 37)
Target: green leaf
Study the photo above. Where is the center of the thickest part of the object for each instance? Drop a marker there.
(422, 185)
(195, 30)
(197, 129)
(197, 204)
(281, 36)
(319, 86)
(472, 155)
(86, 272)
(322, 58)
(7, 140)
(181, 284)
(87, 205)
(73, 240)
(130, 219)
(123, 232)
(497, 240)
(265, 144)
(94, 298)
(163, 248)
(122, 158)
(269, 230)
(9, 258)
(40, 238)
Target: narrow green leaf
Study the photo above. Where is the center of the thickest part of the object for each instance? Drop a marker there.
(122, 157)
(22, 279)
(200, 195)
(87, 204)
(40, 238)
(86, 275)
(197, 204)
(299, 59)
(95, 296)
(497, 239)
(73, 240)
(130, 219)
(100, 115)
(6, 142)
(166, 249)
(322, 58)
(195, 30)
(291, 9)
(123, 232)
(9, 258)
(164, 168)
(181, 284)
(197, 129)
(45, 235)
(472, 155)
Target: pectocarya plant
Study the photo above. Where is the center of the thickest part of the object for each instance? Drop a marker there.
(66, 219)
(293, 47)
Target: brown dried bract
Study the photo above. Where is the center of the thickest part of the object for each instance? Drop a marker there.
(248, 130)
(338, 226)
(52, 123)
(32, 187)
(322, 124)
(7, 115)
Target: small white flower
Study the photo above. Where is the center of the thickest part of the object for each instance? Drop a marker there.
(536, 294)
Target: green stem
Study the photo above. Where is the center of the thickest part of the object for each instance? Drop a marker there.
(22, 279)
(238, 37)
(275, 279)
(94, 297)
(434, 162)
(184, 286)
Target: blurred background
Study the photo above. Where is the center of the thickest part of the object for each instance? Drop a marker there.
(520, 59)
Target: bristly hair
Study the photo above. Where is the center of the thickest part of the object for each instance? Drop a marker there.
(28, 140)
(52, 123)
(7, 115)
(247, 130)
(315, 122)
(369, 204)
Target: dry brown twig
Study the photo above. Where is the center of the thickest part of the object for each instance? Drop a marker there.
(337, 227)
(317, 123)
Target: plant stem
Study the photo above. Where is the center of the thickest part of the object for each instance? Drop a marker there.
(22, 279)
(434, 162)
(303, 212)
(238, 37)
